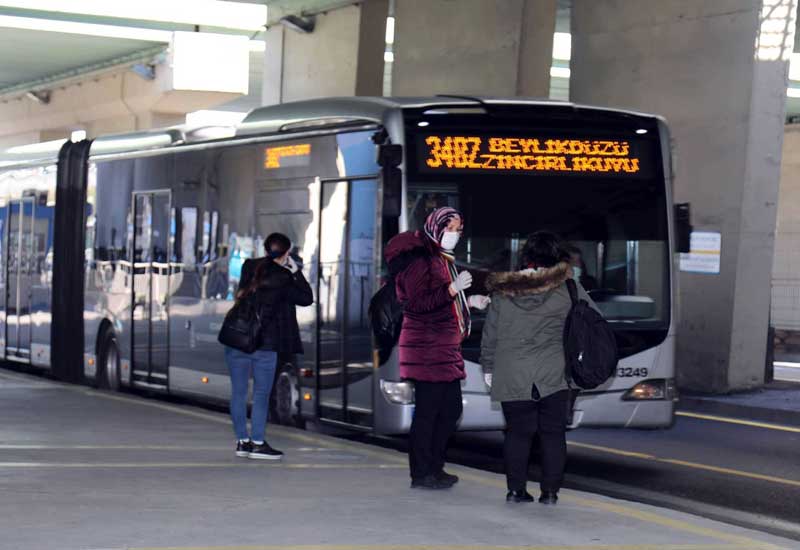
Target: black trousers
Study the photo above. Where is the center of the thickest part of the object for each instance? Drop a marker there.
(524, 419)
(436, 412)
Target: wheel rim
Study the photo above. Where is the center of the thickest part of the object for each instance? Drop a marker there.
(112, 370)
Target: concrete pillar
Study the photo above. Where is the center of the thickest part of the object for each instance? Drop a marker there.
(717, 70)
(342, 56)
(473, 47)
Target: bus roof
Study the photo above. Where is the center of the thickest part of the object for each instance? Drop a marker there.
(339, 110)
(286, 117)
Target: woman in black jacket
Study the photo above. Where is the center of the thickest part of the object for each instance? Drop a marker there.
(279, 286)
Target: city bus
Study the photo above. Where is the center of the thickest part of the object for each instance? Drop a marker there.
(121, 255)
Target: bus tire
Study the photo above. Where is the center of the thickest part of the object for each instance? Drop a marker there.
(108, 375)
(286, 401)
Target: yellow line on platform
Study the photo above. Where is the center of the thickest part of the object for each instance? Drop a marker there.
(39, 447)
(249, 464)
(740, 542)
(610, 450)
(751, 423)
(464, 547)
(219, 448)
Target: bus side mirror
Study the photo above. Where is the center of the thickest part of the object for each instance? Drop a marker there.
(389, 157)
(683, 227)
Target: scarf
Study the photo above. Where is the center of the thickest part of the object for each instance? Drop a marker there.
(460, 306)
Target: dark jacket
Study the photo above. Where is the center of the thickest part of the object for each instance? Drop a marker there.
(430, 341)
(523, 335)
(279, 291)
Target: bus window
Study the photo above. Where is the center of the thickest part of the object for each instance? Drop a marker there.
(188, 237)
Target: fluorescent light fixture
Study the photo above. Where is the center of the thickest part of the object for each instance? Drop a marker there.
(211, 13)
(77, 135)
(641, 131)
(559, 72)
(390, 30)
(87, 29)
(423, 123)
(562, 46)
(388, 57)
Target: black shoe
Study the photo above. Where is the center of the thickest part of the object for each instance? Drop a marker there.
(264, 452)
(430, 482)
(519, 496)
(548, 497)
(243, 448)
(447, 478)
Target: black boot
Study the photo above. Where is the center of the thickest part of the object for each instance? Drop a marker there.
(447, 478)
(519, 496)
(430, 482)
(549, 497)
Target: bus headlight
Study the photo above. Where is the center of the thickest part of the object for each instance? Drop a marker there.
(401, 393)
(652, 390)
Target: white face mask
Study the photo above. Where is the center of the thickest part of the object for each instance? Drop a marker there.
(450, 240)
(576, 273)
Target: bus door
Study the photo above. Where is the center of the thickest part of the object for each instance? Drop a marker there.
(346, 282)
(152, 249)
(20, 273)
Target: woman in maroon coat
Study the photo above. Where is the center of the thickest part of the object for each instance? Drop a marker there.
(435, 322)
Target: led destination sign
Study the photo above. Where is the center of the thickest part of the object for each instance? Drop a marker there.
(492, 154)
(284, 156)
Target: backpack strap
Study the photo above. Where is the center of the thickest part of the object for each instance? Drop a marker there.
(573, 291)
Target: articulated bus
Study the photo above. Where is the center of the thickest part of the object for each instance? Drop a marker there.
(120, 256)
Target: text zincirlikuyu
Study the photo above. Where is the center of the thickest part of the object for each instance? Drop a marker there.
(530, 154)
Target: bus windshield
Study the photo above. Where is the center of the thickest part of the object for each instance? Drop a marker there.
(614, 226)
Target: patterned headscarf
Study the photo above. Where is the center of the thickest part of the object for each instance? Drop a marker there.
(437, 222)
(435, 226)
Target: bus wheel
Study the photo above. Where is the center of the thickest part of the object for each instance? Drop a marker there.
(286, 399)
(108, 373)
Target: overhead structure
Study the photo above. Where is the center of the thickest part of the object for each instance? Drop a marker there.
(104, 67)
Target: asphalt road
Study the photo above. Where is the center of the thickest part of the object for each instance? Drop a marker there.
(743, 474)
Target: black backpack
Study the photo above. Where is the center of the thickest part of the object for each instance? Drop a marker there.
(241, 328)
(386, 317)
(590, 347)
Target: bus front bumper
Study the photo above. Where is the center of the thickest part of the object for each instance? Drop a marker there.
(592, 410)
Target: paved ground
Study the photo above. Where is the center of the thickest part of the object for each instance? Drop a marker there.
(732, 469)
(81, 469)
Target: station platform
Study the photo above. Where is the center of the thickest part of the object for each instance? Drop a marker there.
(91, 470)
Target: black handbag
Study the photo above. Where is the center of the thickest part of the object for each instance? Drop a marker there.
(241, 328)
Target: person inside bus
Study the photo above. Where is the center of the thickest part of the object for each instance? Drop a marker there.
(522, 355)
(436, 320)
(579, 272)
(279, 286)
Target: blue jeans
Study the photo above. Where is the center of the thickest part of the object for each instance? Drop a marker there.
(263, 364)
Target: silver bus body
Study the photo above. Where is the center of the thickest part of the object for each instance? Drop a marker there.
(171, 215)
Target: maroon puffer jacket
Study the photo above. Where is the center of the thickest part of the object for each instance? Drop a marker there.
(430, 341)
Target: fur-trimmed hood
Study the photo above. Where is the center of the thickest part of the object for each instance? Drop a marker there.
(528, 283)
